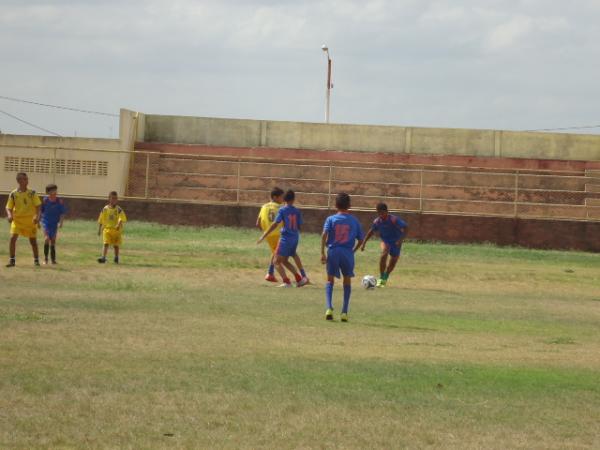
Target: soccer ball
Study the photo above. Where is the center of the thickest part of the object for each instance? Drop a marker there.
(369, 282)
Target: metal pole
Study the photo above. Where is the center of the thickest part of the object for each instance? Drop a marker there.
(329, 187)
(147, 174)
(329, 84)
(239, 170)
(421, 190)
(516, 193)
(328, 88)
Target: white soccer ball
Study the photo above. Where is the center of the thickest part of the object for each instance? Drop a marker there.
(369, 282)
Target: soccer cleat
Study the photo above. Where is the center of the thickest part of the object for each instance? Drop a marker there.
(381, 282)
(116, 260)
(329, 314)
(45, 262)
(303, 281)
(285, 285)
(36, 262)
(102, 260)
(271, 278)
(54, 261)
(344, 317)
(11, 263)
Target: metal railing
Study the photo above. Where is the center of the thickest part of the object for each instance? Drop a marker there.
(435, 189)
(520, 193)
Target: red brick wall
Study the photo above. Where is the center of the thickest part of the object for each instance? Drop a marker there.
(544, 234)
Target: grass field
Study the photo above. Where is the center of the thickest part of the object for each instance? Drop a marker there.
(184, 346)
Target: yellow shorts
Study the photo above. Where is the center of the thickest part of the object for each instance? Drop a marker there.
(272, 241)
(24, 227)
(110, 236)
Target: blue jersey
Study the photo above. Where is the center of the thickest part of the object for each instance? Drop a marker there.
(292, 219)
(51, 211)
(392, 229)
(342, 230)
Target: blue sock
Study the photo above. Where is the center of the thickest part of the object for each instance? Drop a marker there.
(347, 292)
(302, 272)
(272, 269)
(329, 294)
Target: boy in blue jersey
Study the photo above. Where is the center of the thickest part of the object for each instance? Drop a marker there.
(392, 231)
(343, 235)
(291, 218)
(53, 211)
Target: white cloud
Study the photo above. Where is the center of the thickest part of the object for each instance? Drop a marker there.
(457, 63)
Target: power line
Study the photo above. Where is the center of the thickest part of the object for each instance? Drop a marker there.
(30, 124)
(583, 127)
(86, 111)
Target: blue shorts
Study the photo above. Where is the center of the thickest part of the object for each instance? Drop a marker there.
(340, 259)
(286, 248)
(391, 248)
(50, 230)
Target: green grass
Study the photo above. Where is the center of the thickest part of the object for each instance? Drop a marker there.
(184, 346)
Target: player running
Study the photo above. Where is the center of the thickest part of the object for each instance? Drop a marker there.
(23, 214)
(392, 231)
(53, 211)
(287, 246)
(343, 235)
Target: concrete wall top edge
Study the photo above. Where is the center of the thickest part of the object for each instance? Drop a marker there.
(26, 139)
(370, 138)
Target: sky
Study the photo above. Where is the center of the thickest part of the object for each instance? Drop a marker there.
(492, 64)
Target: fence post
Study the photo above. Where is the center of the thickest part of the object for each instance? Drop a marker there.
(421, 191)
(239, 168)
(147, 174)
(516, 193)
(329, 185)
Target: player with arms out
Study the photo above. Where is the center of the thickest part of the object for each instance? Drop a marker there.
(23, 214)
(392, 231)
(287, 246)
(53, 211)
(342, 235)
(110, 224)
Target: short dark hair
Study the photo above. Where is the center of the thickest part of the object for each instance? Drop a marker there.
(111, 193)
(381, 207)
(51, 187)
(21, 174)
(289, 196)
(342, 201)
(276, 192)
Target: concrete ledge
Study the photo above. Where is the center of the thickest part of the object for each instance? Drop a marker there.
(368, 138)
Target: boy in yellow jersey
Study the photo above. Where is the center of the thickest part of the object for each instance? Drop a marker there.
(23, 214)
(110, 224)
(265, 219)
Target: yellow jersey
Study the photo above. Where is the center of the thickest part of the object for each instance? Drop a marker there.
(267, 215)
(23, 204)
(110, 216)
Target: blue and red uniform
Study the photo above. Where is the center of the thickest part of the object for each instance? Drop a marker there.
(391, 230)
(290, 234)
(51, 213)
(342, 230)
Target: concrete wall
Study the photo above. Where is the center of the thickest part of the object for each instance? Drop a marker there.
(79, 166)
(532, 233)
(366, 138)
